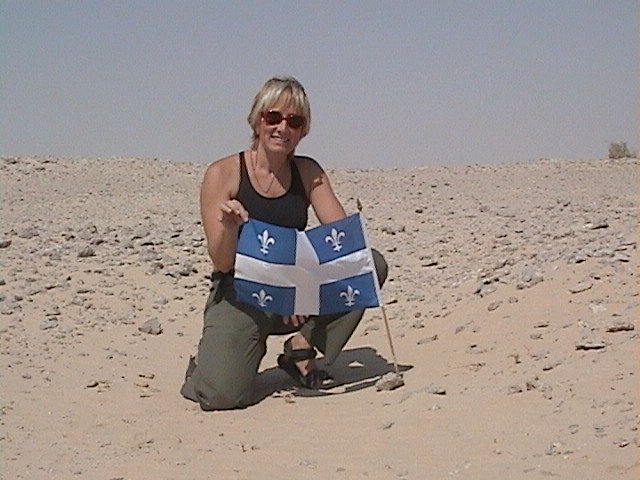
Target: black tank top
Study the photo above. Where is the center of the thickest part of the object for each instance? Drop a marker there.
(288, 210)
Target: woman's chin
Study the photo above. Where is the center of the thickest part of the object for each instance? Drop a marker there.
(280, 148)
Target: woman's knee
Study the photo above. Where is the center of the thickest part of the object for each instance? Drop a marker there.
(222, 396)
(227, 365)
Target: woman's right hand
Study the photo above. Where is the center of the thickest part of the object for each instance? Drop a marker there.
(232, 213)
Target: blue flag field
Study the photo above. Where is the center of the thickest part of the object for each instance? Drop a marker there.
(326, 269)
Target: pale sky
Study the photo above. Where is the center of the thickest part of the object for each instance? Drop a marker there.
(391, 83)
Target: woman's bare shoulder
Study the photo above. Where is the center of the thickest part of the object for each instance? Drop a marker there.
(223, 166)
(223, 175)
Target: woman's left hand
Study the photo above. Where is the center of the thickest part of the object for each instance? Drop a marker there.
(295, 320)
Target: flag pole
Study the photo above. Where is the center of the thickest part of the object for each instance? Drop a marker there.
(393, 351)
(386, 321)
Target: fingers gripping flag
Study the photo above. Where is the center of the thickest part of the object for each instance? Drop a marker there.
(327, 269)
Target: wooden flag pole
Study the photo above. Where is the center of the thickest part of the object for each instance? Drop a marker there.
(386, 321)
(393, 351)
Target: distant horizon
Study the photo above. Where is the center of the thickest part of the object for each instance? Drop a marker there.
(329, 168)
(391, 85)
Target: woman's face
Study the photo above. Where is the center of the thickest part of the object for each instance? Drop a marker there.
(274, 130)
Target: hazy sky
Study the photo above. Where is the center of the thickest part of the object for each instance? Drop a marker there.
(391, 84)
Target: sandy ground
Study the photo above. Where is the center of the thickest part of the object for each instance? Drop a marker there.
(512, 298)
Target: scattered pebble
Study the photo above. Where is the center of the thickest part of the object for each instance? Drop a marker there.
(152, 327)
(389, 381)
(581, 287)
(620, 327)
(588, 345)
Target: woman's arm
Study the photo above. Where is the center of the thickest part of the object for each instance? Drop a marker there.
(325, 204)
(221, 214)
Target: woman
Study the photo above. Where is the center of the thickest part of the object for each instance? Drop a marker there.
(270, 183)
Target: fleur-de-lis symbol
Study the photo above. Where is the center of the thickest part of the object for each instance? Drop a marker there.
(262, 298)
(350, 296)
(265, 241)
(334, 239)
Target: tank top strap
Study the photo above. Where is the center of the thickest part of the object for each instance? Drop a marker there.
(297, 185)
(244, 174)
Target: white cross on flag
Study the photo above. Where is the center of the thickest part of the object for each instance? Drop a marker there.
(323, 270)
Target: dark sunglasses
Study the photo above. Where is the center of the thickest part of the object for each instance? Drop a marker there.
(274, 117)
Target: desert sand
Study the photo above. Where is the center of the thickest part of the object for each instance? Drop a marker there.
(512, 300)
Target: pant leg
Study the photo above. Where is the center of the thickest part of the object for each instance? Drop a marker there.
(229, 353)
(234, 342)
(330, 333)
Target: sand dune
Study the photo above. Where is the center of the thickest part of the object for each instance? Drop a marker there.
(513, 301)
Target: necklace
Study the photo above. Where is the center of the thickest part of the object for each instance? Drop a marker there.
(254, 162)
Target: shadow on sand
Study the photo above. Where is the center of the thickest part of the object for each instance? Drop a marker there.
(353, 370)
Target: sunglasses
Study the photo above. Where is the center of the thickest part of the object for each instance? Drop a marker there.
(274, 117)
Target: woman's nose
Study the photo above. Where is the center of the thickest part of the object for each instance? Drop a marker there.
(282, 125)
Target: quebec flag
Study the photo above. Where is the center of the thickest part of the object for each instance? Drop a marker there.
(327, 269)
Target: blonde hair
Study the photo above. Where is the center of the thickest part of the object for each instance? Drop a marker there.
(276, 89)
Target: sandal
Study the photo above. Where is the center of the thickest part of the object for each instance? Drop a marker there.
(287, 361)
